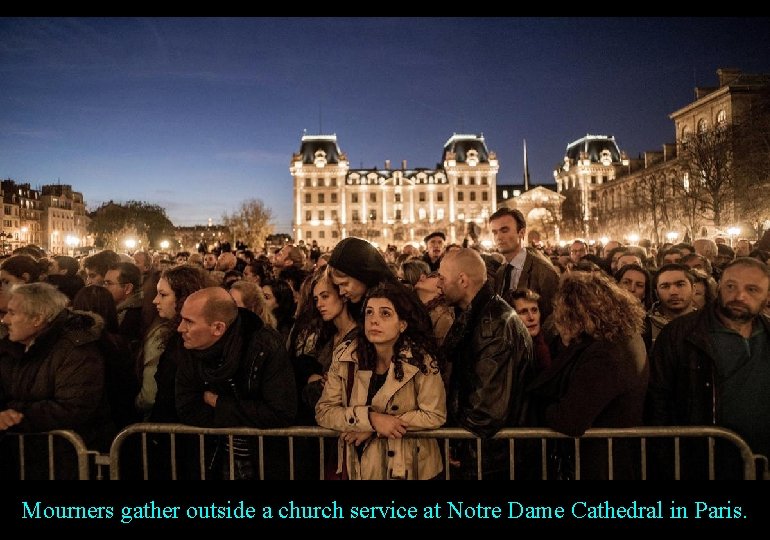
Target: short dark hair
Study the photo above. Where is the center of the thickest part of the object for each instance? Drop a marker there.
(102, 261)
(70, 264)
(516, 214)
(511, 295)
(128, 273)
(673, 267)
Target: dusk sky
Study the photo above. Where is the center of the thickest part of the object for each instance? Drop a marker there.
(198, 114)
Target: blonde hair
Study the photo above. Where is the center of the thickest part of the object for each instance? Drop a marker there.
(593, 304)
(254, 300)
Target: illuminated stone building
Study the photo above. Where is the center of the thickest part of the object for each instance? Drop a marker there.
(652, 196)
(391, 205)
(63, 220)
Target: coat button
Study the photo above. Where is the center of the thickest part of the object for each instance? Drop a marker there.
(391, 453)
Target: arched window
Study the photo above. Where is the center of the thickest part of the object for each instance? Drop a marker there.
(721, 118)
(702, 125)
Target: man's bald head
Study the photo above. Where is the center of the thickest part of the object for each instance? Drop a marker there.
(215, 304)
(463, 273)
(206, 316)
(469, 261)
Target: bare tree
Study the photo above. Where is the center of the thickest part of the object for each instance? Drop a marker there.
(752, 153)
(654, 203)
(707, 158)
(251, 223)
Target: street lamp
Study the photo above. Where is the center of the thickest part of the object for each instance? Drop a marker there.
(130, 243)
(633, 238)
(733, 232)
(672, 236)
(164, 244)
(71, 242)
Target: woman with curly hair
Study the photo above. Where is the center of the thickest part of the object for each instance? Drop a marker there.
(599, 378)
(380, 386)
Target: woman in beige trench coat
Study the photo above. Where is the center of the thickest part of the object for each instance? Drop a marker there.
(394, 385)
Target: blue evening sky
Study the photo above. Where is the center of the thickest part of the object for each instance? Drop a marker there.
(199, 114)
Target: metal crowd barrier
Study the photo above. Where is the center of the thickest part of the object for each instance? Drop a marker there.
(36, 450)
(515, 437)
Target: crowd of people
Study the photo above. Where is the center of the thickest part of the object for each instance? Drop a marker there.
(375, 344)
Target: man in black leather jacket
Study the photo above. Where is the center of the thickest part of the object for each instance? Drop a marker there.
(490, 351)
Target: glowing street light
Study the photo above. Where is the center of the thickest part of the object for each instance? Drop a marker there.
(604, 240)
(130, 243)
(71, 242)
(633, 238)
(671, 236)
(733, 232)
(164, 244)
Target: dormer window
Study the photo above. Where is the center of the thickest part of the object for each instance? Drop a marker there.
(320, 159)
(472, 158)
(606, 158)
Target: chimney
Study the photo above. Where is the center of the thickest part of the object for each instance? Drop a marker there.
(727, 75)
(387, 164)
(403, 164)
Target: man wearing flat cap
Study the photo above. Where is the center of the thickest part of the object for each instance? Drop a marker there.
(434, 243)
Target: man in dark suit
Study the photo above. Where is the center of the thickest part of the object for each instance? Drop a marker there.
(525, 268)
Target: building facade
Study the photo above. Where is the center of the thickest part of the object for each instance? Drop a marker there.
(63, 220)
(53, 217)
(687, 189)
(387, 205)
(589, 162)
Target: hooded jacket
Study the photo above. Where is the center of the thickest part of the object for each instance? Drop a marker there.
(360, 260)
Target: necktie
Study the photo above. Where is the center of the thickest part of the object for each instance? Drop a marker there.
(507, 278)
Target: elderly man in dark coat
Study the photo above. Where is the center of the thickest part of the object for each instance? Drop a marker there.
(51, 374)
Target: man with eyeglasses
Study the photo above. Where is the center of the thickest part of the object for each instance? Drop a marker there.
(124, 281)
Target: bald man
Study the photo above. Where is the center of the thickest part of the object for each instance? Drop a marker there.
(236, 373)
(491, 355)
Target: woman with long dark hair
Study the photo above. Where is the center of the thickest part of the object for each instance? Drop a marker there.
(382, 385)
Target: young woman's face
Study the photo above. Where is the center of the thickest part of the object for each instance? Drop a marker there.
(165, 300)
(327, 300)
(350, 287)
(382, 325)
(270, 302)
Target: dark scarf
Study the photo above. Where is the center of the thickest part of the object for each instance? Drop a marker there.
(220, 362)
